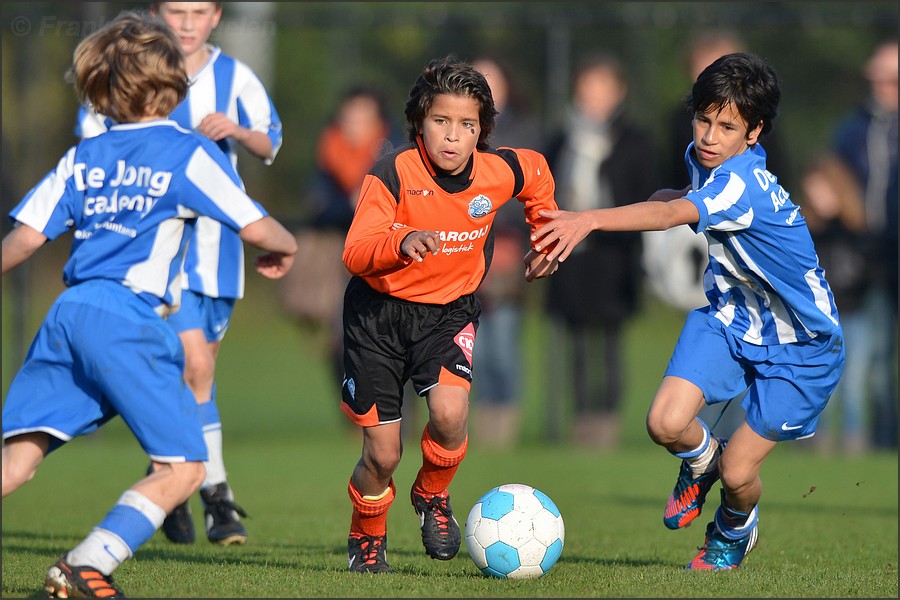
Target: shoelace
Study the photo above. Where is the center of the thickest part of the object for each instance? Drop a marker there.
(100, 586)
(222, 506)
(718, 550)
(370, 548)
(442, 514)
(103, 587)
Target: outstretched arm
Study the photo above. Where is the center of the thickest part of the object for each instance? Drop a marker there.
(19, 244)
(568, 228)
(279, 243)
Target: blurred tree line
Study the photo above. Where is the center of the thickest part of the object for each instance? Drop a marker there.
(307, 53)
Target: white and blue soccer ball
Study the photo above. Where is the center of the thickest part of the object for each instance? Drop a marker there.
(515, 532)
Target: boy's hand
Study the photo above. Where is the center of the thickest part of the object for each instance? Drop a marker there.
(559, 236)
(537, 265)
(418, 244)
(217, 126)
(274, 265)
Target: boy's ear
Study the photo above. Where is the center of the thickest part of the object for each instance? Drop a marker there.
(753, 134)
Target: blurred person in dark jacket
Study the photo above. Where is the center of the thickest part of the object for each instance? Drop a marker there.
(867, 140)
(356, 135)
(832, 206)
(497, 394)
(600, 158)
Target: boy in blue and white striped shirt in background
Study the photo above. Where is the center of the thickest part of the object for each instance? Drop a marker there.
(771, 328)
(227, 103)
(133, 197)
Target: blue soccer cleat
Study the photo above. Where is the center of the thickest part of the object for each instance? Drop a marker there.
(686, 501)
(719, 553)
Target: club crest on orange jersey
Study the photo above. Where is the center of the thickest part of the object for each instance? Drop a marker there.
(480, 206)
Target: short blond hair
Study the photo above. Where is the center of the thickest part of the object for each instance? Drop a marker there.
(133, 67)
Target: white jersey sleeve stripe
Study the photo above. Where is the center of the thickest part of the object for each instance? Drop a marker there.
(209, 178)
(729, 196)
(37, 214)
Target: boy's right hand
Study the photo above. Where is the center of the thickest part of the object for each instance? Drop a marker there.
(418, 244)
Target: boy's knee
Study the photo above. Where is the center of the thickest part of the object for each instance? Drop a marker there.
(735, 476)
(15, 475)
(189, 475)
(384, 463)
(662, 430)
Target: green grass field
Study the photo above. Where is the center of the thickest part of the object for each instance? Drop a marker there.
(828, 524)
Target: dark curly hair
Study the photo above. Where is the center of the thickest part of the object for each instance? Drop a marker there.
(450, 75)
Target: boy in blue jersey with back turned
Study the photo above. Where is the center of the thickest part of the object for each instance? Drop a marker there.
(227, 103)
(771, 327)
(132, 197)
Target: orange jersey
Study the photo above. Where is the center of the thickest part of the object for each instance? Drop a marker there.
(403, 193)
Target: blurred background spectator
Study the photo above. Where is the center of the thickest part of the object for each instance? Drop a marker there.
(498, 359)
(701, 49)
(358, 133)
(832, 206)
(867, 140)
(599, 159)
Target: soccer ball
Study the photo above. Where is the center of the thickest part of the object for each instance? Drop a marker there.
(514, 532)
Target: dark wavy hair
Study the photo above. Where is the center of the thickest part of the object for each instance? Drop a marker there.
(743, 80)
(450, 75)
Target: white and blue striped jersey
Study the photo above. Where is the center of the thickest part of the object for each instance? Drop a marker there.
(132, 196)
(763, 280)
(215, 259)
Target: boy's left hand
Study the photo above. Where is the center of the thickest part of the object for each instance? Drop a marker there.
(538, 265)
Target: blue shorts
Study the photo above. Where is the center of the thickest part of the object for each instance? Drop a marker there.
(101, 352)
(787, 385)
(197, 311)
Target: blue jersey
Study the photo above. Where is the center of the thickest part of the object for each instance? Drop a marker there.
(132, 196)
(763, 280)
(215, 259)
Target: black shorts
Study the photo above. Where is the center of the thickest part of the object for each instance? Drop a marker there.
(389, 341)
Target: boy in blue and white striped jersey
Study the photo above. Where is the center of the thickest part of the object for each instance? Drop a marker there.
(771, 328)
(227, 103)
(133, 196)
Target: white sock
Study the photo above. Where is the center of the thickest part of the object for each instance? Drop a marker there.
(130, 523)
(215, 466)
(703, 462)
(101, 549)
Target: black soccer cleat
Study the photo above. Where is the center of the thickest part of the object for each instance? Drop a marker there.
(223, 516)
(67, 581)
(367, 554)
(440, 531)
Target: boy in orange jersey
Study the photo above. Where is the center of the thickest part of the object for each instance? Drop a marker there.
(420, 244)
